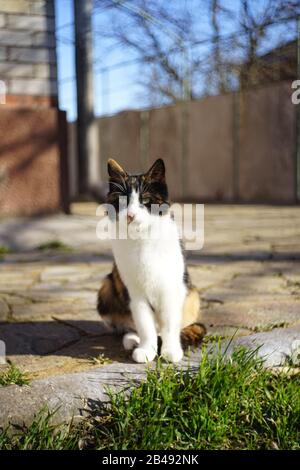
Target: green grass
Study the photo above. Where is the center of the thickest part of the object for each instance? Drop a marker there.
(224, 404)
(270, 326)
(100, 360)
(213, 338)
(41, 434)
(56, 245)
(4, 250)
(13, 375)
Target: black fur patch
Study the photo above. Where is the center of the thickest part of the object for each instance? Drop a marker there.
(151, 186)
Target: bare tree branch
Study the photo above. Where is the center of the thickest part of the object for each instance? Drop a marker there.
(182, 44)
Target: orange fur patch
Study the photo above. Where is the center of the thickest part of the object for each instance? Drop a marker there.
(192, 334)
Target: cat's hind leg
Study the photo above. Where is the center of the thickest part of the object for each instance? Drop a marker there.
(113, 303)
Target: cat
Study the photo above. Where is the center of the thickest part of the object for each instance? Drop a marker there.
(149, 292)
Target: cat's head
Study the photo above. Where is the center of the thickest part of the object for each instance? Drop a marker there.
(146, 195)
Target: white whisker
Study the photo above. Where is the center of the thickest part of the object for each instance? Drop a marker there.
(117, 185)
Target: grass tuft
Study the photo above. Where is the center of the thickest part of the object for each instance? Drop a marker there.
(13, 375)
(270, 326)
(101, 359)
(212, 338)
(54, 245)
(225, 403)
(41, 434)
(4, 250)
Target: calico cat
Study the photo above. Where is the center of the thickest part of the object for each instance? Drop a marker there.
(149, 292)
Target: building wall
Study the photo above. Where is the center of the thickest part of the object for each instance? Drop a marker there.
(267, 145)
(33, 177)
(33, 132)
(27, 52)
(228, 148)
(209, 165)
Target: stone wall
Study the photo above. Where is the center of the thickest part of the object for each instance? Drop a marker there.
(228, 148)
(27, 52)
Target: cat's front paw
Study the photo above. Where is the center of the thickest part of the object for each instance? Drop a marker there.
(130, 341)
(143, 355)
(172, 354)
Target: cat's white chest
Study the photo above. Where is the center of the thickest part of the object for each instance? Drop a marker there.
(149, 267)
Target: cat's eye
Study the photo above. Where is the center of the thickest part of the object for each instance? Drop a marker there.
(146, 200)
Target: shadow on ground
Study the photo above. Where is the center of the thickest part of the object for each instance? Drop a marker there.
(61, 339)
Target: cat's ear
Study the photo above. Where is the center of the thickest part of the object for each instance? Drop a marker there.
(114, 169)
(157, 173)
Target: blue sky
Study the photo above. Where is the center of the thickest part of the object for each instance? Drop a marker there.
(117, 88)
(113, 90)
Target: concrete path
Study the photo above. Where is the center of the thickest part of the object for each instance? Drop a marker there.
(248, 276)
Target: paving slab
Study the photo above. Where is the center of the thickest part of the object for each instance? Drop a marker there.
(247, 275)
(279, 347)
(230, 230)
(36, 337)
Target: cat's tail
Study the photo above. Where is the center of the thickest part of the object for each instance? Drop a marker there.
(192, 335)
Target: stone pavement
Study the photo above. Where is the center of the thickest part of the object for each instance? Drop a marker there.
(248, 276)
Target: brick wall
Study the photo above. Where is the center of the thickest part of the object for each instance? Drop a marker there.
(33, 151)
(27, 52)
(33, 165)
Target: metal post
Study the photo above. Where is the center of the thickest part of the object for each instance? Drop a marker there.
(105, 91)
(87, 135)
(186, 84)
(236, 123)
(298, 118)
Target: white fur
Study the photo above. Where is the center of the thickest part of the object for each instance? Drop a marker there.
(130, 340)
(152, 270)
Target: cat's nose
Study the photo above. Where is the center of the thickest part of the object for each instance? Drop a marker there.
(130, 218)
